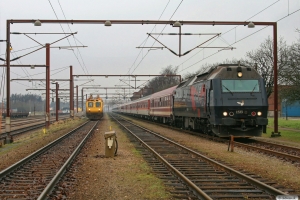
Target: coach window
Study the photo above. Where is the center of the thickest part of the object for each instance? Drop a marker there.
(90, 104)
(98, 104)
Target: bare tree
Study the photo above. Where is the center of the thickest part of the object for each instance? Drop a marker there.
(291, 76)
(264, 60)
(160, 83)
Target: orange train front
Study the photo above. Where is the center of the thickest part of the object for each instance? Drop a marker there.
(94, 108)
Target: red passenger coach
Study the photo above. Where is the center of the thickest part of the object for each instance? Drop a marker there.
(161, 105)
(157, 106)
(143, 106)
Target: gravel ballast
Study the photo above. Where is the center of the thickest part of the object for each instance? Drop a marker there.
(128, 176)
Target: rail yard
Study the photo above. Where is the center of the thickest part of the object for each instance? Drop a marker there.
(187, 171)
(149, 100)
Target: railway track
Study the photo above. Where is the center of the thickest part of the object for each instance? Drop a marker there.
(195, 176)
(23, 121)
(287, 153)
(29, 127)
(36, 176)
(283, 152)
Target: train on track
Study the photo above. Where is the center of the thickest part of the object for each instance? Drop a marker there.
(16, 114)
(225, 100)
(94, 108)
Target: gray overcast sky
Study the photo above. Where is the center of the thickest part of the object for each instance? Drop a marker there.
(112, 50)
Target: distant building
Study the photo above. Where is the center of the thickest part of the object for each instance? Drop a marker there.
(289, 110)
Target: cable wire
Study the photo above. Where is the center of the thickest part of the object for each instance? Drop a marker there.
(73, 38)
(241, 39)
(227, 32)
(67, 38)
(158, 36)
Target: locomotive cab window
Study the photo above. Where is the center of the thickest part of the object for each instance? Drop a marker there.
(98, 104)
(240, 86)
(90, 104)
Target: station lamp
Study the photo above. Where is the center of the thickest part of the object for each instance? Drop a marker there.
(177, 24)
(251, 25)
(107, 23)
(37, 23)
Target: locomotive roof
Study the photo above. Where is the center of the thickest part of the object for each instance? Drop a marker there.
(164, 92)
(95, 99)
(155, 95)
(213, 72)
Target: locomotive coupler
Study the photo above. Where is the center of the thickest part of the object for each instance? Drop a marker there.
(243, 126)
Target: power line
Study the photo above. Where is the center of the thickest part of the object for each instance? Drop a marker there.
(241, 39)
(23, 49)
(158, 36)
(74, 38)
(67, 38)
(226, 33)
(144, 42)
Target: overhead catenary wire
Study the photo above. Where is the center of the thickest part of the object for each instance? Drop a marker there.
(23, 49)
(74, 38)
(153, 42)
(144, 42)
(234, 28)
(157, 36)
(240, 40)
(67, 38)
(61, 69)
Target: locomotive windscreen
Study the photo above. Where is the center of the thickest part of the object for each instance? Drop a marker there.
(98, 104)
(240, 86)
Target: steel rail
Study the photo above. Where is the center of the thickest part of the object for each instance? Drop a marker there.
(267, 151)
(277, 145)
(25, 129)
(259, 184)
(193, 187)
(49, 188)
(239, 144)
(18, 164)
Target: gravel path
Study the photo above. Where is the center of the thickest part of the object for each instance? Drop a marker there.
(126, 176)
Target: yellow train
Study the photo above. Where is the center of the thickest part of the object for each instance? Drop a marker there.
(94, 108)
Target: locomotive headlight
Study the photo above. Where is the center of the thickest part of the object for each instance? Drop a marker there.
(225, 114)
(239, 74)
(259, 113)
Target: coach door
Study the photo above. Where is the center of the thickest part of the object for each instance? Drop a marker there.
(210, 98)
(148, 112)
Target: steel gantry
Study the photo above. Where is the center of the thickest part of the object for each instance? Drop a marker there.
(144, 22)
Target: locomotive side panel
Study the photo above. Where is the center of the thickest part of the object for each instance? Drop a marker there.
(190, 101)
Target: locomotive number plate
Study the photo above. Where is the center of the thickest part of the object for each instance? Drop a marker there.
(239, 112)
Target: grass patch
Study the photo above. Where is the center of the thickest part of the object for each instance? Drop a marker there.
(286, 135)
(290, 123)
(289, 130)
(155, 186)
(136, 152)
